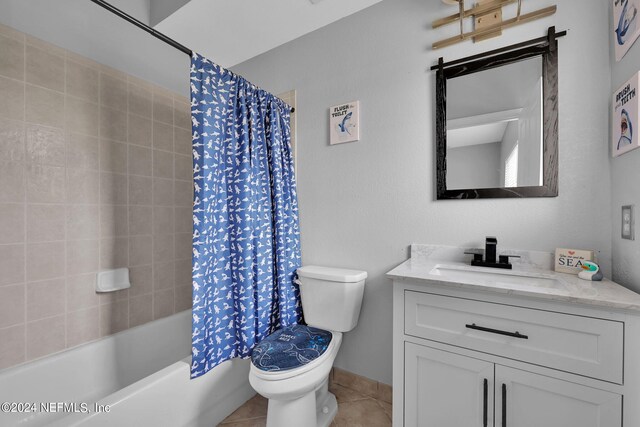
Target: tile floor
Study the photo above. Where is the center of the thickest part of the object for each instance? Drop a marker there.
(354, 410)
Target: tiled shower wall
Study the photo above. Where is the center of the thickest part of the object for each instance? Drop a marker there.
(95, 173)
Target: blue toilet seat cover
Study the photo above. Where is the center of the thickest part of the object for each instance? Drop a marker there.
(290, 347)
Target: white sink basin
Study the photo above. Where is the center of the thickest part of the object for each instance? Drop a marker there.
(511, 278)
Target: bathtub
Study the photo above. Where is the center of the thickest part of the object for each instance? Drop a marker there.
(139, 377)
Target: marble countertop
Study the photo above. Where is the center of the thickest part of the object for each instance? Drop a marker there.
(526, 279)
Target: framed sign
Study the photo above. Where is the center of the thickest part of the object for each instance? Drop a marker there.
(624, 122)
(344, 123)
(625, 25)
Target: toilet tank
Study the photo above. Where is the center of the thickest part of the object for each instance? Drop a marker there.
(331, 297)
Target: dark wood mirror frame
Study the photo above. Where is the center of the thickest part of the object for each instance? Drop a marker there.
(547, 48)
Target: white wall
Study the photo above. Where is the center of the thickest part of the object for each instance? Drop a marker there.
(363, 203)
(474, 166)
(87, 29)
(625, 176)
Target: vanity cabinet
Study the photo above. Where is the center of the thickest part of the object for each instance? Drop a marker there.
(447, 389)
(473, 358)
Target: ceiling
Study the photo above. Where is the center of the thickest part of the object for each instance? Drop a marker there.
(230, 32)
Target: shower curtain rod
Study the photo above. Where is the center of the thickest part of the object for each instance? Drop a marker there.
(157, 34)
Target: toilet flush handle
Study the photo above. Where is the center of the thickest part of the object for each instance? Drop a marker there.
(297, 281)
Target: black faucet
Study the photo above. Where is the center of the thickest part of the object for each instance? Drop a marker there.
(489, 254)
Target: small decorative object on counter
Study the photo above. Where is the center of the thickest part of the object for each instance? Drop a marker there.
(571, 260)
(590, 271)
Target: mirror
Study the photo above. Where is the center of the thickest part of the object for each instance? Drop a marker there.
(497, 124)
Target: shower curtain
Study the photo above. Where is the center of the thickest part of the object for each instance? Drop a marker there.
(246, 245)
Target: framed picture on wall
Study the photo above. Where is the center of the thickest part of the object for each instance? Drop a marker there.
(625, 121)
(344, 123)
(625, 25)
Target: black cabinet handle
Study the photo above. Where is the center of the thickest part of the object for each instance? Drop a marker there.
(515, 334)
(485, 408)
(504, 405)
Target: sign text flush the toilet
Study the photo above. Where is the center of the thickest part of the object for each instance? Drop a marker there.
(344, 123)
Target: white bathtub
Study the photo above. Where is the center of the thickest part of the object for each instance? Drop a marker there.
(141, 375)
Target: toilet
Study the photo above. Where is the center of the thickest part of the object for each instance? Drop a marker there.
(291, 366)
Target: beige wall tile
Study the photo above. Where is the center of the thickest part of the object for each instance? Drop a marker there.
(183, 193)
(114, 317)
(162, 164)
(183, 298)
(163, 220)
(45, 336)
(140, 250)
(163, 303)
(12, 305)
(82, 81)
(183, 220)
(45, 223)
(140, 100)
(12, 188)
(183, 168)
(12, 136)
(140, 220)
(140, 160)
(45, 260)
(81, 292)
(82, 256)
(83, 186)
(12, 264)
(82, 151)
(111, 297)
(182, 143)
(183, 245)
(81, 116)
(162, 108)
(45, 184)
(82, 222)
(114, 252)
(45, 68)
(182, 114)
(45, 145)
(162, 192)
(12, 350)
(11, 99)
(163, 248)
(44, 106)
(113, 92)
(11, 58)
(140, 310)
(141, 279)
(12, 218)
(163, 275)
(113, 124)
(162, 136)
(114, 221)
(140, 190)
(113, 156)
(140, 130)
(113, 188)
(183, 274)
(45, 299)
(83, 326)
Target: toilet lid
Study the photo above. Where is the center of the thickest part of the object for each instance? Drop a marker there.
(290, 347)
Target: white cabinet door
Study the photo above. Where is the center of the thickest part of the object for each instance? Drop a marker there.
(531, 400)
(444, 389)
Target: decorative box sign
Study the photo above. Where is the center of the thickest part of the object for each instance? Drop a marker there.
(625, 25)
(625, 117)
(344, 121)
(570, 260)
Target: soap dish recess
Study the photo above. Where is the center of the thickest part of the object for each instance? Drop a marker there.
(113, 280)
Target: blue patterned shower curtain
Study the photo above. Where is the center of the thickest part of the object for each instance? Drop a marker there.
(246, 245)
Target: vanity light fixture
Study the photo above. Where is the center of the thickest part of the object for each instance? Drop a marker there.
(487, 15)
